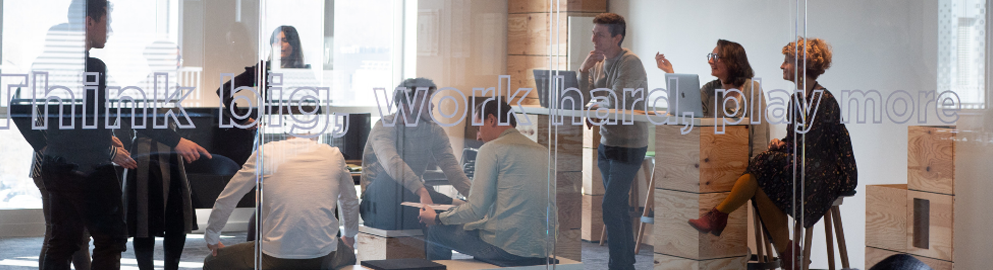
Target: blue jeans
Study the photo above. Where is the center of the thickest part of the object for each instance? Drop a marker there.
(442, 239)
(618, 166)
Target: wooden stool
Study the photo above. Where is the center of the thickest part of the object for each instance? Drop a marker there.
(831, 218)
(763, 245)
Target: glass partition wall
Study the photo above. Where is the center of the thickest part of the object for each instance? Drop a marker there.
(593, 134)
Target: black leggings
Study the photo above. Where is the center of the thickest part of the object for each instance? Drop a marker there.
(174, 239)
(144, 250)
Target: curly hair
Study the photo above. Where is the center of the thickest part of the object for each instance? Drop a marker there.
(615, 24)
(817, 54)
(733, 56)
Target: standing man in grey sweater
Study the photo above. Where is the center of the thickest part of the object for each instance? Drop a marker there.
(608, 70)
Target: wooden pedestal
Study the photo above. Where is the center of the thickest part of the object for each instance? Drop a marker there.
(665, 262)
(675, 237)
(592, 223)
(375, 244)
(695, 172)
(886, 217)
(931, 159)
(701, 161)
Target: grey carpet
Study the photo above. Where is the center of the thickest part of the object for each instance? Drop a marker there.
(22, 253)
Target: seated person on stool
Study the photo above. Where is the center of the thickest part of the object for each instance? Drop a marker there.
(505, 217)
(828, 168)
(304, 181)
(395, 158)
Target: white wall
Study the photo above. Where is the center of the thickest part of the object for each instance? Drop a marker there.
(883, 45)
(471, 40)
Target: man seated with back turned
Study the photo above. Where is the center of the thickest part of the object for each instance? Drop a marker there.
(304, 180)
(509, 209)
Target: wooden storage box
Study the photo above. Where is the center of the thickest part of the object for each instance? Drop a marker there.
(931, 159)
(701, 161)
(930, 223)
(592, 179)
(886, 217)
(665, 262)
(376, 244)
(675, 237)
(568, 244)
(592, 223)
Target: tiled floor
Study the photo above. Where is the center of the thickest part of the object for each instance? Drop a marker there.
(22, 253)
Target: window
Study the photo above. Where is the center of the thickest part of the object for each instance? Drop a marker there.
(961, 50)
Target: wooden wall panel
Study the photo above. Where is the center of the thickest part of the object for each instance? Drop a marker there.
(521, 70)
(530, 6)
(528, 34)
(886, 217)
(931, 159)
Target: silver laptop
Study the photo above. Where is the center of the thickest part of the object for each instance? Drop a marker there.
(684, 94)
(542, 81)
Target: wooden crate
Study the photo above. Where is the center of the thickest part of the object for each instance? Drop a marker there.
(565, 143)
(931, 159)
(875, 255)
(569, 200)
(886, 217)
(375, 244)
(591, 137)
(592, 179)
(675, 237)
(701, 161)
(568, 244)
(569, 156)
(592, 223)
(666, 262)
(936, 232)
(530, 131)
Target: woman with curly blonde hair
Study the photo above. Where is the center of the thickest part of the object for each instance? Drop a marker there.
(825, 162)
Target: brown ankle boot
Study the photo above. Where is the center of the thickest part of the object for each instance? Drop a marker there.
(711, 222)
(788, 259)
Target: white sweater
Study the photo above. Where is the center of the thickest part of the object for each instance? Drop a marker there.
(302, 183)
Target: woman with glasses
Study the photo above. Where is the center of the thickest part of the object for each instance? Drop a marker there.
(828, 164)
(729, 64)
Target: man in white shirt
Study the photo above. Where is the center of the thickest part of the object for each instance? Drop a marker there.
(303, 182)
(510, 216)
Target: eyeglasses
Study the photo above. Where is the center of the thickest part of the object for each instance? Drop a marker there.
(712, 56)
